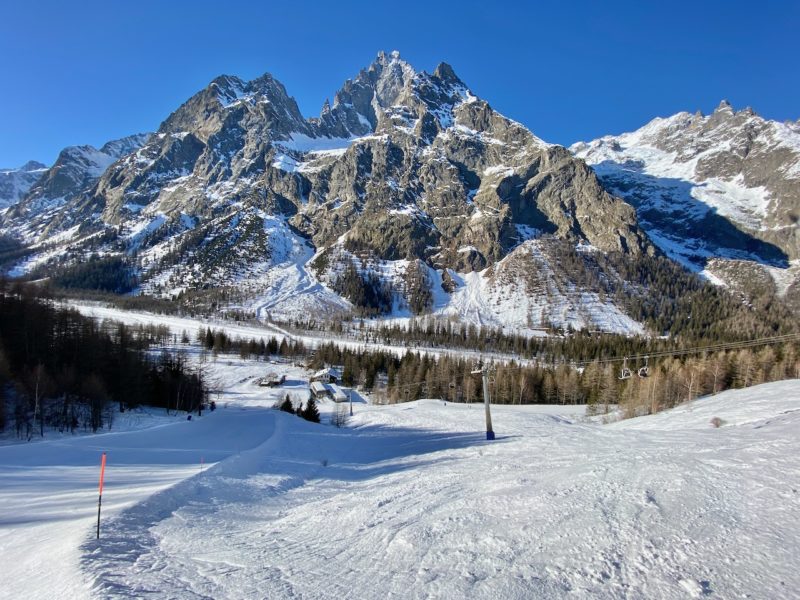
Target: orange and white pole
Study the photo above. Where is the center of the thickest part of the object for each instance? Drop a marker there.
(100, 496)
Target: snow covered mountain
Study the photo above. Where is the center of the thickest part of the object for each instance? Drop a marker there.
(719, 192)
(76, 169)
(15, 183)
(407, 195)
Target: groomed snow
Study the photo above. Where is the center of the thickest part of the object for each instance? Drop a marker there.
(411, 501)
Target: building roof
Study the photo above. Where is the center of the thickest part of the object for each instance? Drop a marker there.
(338, 393)
(318, 387)
(330, 372)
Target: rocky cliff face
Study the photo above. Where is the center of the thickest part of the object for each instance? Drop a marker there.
(15, 183)
(237, 189)
(403, 164)
(41, 210)
(707, 189)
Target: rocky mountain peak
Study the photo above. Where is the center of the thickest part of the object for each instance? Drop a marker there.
(386, 58)
(268, 88)
(32, 165)
(722, 186)
(359, 103)
(15, 183)
(123, 146)
(326, 107)
(446, 73)
(227, 84)
(393, 74)
(724, 106)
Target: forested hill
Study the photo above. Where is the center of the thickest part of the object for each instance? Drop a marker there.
(61, 370)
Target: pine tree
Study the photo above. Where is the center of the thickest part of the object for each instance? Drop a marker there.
(286, 405)
(310, 412)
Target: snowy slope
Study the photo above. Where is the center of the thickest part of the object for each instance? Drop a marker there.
(15, 183)
(525, 291)
(411, 501)
(724, 185)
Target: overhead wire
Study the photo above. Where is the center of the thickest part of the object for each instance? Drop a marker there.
(789, 337)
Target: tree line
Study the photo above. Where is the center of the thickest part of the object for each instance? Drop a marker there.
(62, 370)
(664, 383)
(217, 341)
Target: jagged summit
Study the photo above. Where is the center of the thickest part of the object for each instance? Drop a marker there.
(405, 176)
(724, 105)
(393, 56)
(32, 165)
(446, 73)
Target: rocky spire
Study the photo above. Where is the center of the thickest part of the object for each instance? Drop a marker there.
(724, 105)
(445, 72)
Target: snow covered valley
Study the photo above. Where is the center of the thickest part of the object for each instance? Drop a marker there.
(411, 501)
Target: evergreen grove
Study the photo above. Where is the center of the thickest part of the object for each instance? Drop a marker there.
(61, 370)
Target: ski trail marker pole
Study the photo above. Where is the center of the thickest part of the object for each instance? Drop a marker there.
(100, 496)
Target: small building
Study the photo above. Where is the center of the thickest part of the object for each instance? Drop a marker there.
(327, 375)
(319, 390)
(337, 393)
(272, 380)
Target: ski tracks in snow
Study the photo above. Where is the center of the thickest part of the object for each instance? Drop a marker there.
(393, 508)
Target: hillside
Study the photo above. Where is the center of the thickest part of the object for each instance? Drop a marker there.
(392, 504)
(720, 193)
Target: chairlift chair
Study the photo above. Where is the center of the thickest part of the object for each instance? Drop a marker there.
(626, 372)
(644, 371)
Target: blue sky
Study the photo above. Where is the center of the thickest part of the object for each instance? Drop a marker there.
(89, 71)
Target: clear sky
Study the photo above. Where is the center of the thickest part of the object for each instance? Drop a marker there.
(87, 71)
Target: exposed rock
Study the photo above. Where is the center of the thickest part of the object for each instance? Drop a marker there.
(15, 183)
(402, 167)
(717, 187)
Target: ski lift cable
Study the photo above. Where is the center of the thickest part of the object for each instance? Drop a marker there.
(446, 381)
(696, 350)
(789, 337)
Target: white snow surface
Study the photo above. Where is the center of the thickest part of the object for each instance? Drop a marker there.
(411, 501)
(15, 183)
(630, 154)
(506, 299)
(290, 291)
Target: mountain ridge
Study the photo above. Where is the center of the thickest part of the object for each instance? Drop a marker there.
(710, 188)
(406, 177)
